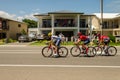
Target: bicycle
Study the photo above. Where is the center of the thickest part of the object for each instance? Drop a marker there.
(108, 50)
(76, 51)
(48, 50)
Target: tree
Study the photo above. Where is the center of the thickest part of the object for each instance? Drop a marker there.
(30, 23)
(23, 32)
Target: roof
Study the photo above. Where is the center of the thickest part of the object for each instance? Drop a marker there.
(59, 12)
(107, 15)
(11, 19)
(44, 14)
(65, 12)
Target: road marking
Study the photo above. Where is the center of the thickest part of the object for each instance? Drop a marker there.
(13, 45)
(17, 50)
(20, 51)
(59, 66)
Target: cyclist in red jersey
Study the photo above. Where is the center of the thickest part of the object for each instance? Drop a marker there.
(103, 39)
(83, 38)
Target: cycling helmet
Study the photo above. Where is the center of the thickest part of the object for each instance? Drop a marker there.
(79, 33)
(98, 34)
(49, 34)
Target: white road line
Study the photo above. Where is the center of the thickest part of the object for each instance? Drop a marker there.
(13, 45)
(20, 50)
(59, 66)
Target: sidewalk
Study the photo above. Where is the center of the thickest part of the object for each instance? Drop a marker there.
(17, 44)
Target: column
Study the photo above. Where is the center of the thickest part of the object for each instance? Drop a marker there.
(38, 27)
(52, 24)
(39, 24)
(78, 23)
(90, 26)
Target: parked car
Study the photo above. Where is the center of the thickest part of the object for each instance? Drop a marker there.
(40, 37)
(24, 38)
(32, 36)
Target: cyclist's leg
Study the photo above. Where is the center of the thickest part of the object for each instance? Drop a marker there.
(106, 42)
(54, 48)
(104, 45)
(57, 45)
(86, 43)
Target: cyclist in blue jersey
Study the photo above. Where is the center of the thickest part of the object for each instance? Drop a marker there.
(56, 40)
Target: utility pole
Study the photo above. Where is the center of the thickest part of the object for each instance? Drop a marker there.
(101, 11)
(90, 27)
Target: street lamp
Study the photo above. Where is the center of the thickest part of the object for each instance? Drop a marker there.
(101, 11)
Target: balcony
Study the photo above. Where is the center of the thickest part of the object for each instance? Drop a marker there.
(66, 28)
(4, 25)
(4, 28)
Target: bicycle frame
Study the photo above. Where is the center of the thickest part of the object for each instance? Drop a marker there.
(84, 51)
(76, 51)
(61, 51)
(50, 46)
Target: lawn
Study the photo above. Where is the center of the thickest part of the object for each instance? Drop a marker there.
(39, 43)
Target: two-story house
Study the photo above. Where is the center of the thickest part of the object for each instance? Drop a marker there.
(69, 23)
(111, 23)
(11, 28)
(65, 22)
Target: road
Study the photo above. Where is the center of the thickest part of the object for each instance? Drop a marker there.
(26, 63)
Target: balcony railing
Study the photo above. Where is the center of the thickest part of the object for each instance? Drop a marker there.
(4, 28)
(110, 27)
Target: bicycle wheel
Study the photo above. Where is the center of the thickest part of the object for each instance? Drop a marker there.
(112, 51)
(47, 52)
(75, 51)
(91, 52)
(98, 50)
(63, 51)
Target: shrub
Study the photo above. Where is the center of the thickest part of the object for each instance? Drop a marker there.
(10, 40)
(112, 38)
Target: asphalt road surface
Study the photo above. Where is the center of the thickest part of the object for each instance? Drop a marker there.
(21, 62)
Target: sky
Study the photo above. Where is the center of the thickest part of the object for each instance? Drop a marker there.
(20, 9)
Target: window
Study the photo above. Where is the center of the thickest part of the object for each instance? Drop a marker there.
(4, 24)
(2, 35)
(19, 25)
(46, 23)
(105, 24)
(84, 32)
(82, 23)
(64, 23)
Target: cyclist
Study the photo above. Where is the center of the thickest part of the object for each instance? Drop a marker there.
(56, 41)
(103, 39)
(83, 38)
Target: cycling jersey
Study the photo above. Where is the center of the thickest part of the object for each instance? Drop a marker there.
(104, 39)
(83, 37)
(56, 40)
(101, 38)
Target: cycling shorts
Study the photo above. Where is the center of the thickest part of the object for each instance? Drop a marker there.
(106, 41)
(86, 41)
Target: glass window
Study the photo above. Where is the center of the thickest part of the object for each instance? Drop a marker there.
(82, 23)
(84, 32)
(4, 24)
(64, 23)
(46, 23)
(105, 24)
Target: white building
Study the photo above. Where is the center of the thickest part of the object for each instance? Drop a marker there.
(69, 23)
